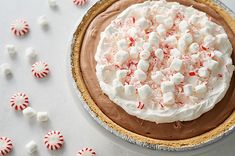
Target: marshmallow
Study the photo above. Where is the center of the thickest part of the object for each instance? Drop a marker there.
(175, 53)
(153, 39)
(157, 76)
(167, 86)
(171, 40)
(42, 116)
(194, 19)
(188, 38)
(168, 98)
(121, 74)
(121, 57)
(159, 54)
(6, 69)
(31, 54)
(201, 89)
(211, 64)
(29, 112)
(223, 43)
(209, 41)
(117, 87)
(161, 30)
(42, 21)
(176, 64)
(169, 22)
(11, 50)
(145, 54)
(203, 72)
(177, 78)
(188, 90)
(140, 75)
(183, 26)
(143, 23)
(122, 44)
(134, 53)
(181, 46)
(132, 32)
(31, 147)
(218, 55)
(193, 48)
(160, 18)
(147, 46)
(144, 92)
(129, 90)
(195, 57)
(143, 65)
(52, 3)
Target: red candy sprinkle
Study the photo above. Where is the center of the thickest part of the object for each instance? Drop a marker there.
(140, 105)
(192, 73)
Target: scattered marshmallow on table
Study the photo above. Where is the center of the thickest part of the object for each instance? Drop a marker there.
(86, 152)
(168, 98)
(188, 90)
(31, 54)
(144, 92)
(176, 64)
(11, 50)
(43, 22)
(167, 86)
(29, 112)
(31, 147)
(6, 69)
(42, 116)
(52, 3)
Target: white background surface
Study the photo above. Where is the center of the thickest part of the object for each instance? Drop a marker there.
(55, 94)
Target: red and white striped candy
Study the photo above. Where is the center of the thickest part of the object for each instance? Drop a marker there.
(54, 140)
(20, 27)
(140, 105)
(6, 146)
(80, 2)
(40, 69)
(86, 152)
(19, 101)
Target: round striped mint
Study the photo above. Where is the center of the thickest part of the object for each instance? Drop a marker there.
(54, 140)
(6, 146)
(86, 152)
(40, 69)
(20, 27)
(19, 101)
(80, 2)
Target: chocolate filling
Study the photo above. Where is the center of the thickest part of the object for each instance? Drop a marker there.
(168, 131)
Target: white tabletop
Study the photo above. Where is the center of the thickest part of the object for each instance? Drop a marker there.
(55, 94)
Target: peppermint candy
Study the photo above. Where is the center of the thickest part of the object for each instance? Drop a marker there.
(40, 69)
(6, 146)
(19, 101)
(86, 152)
(54, 140)
(80, 2)
(20, 27)
(140, 105)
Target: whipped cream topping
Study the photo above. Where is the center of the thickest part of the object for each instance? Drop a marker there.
(164, 62)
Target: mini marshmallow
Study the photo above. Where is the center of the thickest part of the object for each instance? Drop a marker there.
(122, 44)
(143, 65)
(161, 30)
(145, 54)
(176, 64)
(140, 75)
(200, 89)
(209, 41)
(159, 54)
(147, 46)
(134, 53)
(31, 54)
(168, 98)
(195, 57)
(157, 76)
(42, 21)
(167, 86)
(193, 48)
(183, 26)
(143, 23)
(194, 19)
(52, 3)
(188, 38)
(129, 90)
(171, 40)
(223, 43)
(42, 116)
(117, 87)
(203, 72)
(121, 57)
(121, 74)
(169, 22)
(29, 112)
(132, 32)
(175, 53)
(6, 69)
(188, 90)
(11, 50)
(211, 64)
(144, 91)
(31, 147)
(160, 18)
(153, 39)
(218, 55)
(181, 45)
(177, 78)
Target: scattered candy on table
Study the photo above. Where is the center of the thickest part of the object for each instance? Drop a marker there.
(86, 152)
(43, 22)
(80, 2)
(20, 27)
(31, 147)
(54, 140)
(6, 69)
(52, 3)
(11, 50)
(42, 116)
(40, 69)
(31, 54)
(19, 101)
(29, 112)
(6, 146)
